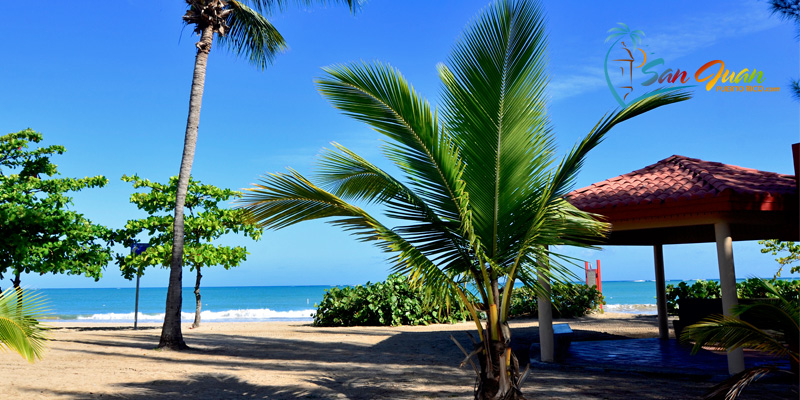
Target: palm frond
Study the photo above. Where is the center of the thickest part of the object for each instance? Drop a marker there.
(493, 95)
(286, 199)
(351, 177)
(251, 35)
(270, 6)
(727, 332)
(379, 95)
(731, 388)
(20, 329)
(572, 163)
(283, 199)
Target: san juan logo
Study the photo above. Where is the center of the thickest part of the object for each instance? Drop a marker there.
(633, 74)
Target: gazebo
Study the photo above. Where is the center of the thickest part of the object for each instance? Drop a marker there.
(687, 200)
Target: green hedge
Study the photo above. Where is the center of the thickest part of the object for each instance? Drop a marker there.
(569, 300)
(392, 302)
(747, 289)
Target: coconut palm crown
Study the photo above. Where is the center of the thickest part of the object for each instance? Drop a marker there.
(240, 26)
(483, 191)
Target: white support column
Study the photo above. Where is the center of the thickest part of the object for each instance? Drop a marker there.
(661, 292)
(546, 341)
(727, 279)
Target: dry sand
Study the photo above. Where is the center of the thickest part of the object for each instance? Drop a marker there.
(274, 360)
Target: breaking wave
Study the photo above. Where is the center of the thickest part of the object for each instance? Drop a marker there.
(631, 308)
(263, 314)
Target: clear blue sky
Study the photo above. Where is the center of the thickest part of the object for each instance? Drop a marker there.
(111, 83)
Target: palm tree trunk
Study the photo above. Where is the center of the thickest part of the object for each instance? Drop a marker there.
(196, 323)
(17, 290)
(171, 336)
(499, 375)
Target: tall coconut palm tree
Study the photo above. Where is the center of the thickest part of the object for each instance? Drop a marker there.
(20, 329)
(483, 194)
(240, 26)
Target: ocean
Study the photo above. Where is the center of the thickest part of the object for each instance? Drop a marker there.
(260, 303)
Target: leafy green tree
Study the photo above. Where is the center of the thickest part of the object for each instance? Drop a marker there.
(20, 330)
(778, 334)
(205, 223)
(38, 231)
(239, 25)
(484, 191)
(774, 247)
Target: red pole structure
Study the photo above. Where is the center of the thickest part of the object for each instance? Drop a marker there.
(599, 280)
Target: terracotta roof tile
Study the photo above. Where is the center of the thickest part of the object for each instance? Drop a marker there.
(681, 179)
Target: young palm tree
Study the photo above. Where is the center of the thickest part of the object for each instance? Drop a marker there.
(246, 32)
(484, 192)
(19, 326)
(779, 337)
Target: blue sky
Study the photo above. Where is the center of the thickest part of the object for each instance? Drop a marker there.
(111, 84)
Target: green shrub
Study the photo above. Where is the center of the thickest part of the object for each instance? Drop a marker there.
(698, 290)
(393, 302)
(747, 289)
(569, 300)
(753, 289)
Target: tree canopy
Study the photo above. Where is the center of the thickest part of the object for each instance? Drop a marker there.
(38, 230)
(205, 222)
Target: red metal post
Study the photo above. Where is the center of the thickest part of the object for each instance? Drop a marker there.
(599, 280)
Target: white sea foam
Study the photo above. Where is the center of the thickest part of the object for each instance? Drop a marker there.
(263, 314)
(631, 308)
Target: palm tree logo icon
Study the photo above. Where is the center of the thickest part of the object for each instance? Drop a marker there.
(627, 43)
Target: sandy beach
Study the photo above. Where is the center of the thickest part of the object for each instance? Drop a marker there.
(274, 360)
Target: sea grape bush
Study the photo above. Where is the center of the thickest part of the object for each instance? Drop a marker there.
(569, 300)
(698, 290)
(392, 302)
(747, 289)
(752, 289)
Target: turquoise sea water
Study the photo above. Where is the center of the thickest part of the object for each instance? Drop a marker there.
(265, 303)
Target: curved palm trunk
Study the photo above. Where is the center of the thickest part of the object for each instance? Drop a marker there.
(196, 323)
(171, 336)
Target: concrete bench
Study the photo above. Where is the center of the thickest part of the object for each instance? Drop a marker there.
(562, 338)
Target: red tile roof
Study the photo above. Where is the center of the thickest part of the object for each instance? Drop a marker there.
(683, 181)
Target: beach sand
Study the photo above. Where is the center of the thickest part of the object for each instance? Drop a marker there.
(288, 360)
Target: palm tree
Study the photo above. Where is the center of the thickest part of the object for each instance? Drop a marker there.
(19, 326)
(777, 333)
(483, 194)
(246, 32)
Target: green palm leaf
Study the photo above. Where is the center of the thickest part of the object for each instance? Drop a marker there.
(271, 6)
(726, 332)
(780, 337)
(251, 35)
(20, 329)
(353, 178)
(380, 96)
(493, 97)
